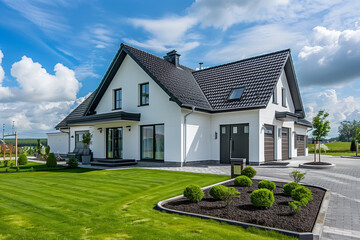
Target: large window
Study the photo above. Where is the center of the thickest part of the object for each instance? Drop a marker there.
(283, 97)
(144, 94)
(114, 143)
(117, 99)
(152, 142)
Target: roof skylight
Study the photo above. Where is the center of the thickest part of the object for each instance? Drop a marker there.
(236, 93)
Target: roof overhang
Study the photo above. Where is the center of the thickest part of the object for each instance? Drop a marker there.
(303, 122)
(286, 116)
(105, 117)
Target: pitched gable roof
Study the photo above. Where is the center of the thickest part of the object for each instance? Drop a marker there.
(258, 76)
(206, 89)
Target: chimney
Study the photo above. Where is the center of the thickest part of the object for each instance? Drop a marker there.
(173, 57)
(200, 65)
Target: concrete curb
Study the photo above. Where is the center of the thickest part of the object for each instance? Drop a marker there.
(317, 166)
(314, 235)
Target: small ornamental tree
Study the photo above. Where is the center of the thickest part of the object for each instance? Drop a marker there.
(38, 147)
(321, 127)
(353, 145)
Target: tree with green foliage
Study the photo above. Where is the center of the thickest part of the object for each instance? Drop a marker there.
(321, 127)
(38, 147)
(347, 130)
(353, 145)
(47, 150)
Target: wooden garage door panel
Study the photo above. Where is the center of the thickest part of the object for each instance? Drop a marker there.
(269, 143)
(300, 145)
(285, 143)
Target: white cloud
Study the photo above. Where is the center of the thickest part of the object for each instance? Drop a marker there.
(339, 108)
(5, 92)
(85, 70)
(256, 40)
(166, 33)
(331, 57)
(36, 84)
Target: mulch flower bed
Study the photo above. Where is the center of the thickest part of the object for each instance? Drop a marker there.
(317, 163)
(278, 216)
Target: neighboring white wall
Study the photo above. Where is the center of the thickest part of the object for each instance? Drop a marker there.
(58, 142)
(159, 111)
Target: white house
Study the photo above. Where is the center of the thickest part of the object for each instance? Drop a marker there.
(149, 108)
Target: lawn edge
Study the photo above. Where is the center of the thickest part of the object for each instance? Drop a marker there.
(315, 234)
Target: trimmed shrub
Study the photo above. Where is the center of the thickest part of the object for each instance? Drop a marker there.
(218, 192)
(353, 145)
(194, 193)
(243, 181)
(47, 150)
(262, 198)
(230, 194)
(51, 161)
(300, 193)
(296, 205)
(250, 172)
(6, 163)
(289, 187)
(22, 160)
(73, 162)
(267, 184)
(297, 176)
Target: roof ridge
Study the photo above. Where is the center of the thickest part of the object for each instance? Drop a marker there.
(127, 45)
(245, 59)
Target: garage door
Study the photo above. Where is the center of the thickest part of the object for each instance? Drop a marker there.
(300, 144)
(269, 143)
(285, 143)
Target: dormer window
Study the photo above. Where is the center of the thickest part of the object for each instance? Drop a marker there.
(236, 93)
(283, 97)
(117, 99)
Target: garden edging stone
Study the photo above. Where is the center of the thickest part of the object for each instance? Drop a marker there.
(314, 235)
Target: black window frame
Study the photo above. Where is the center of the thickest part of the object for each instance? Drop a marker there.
(116, 100)
(283, 97)
(154, 142)
(275, 96)
(234, 89)
(141, 94)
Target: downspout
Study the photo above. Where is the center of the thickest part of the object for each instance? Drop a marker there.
(184, 130)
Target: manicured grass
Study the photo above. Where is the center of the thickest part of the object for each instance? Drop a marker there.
(119, 204)
(349, 153)
(335, 149)
(26, 141)
(24, 168)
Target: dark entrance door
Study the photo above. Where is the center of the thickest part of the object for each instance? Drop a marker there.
(269, 144)
(114, 145)
(234, 142)
(285, 143)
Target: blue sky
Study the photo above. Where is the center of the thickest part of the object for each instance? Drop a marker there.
(54, 53)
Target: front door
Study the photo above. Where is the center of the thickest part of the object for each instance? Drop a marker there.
(234, 142)
(114, 143)
(269, 143)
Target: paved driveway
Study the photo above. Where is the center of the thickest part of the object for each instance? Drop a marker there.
(343, 217)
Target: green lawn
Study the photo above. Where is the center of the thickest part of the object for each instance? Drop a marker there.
(119, 204)
(35, 166)
(335, 149)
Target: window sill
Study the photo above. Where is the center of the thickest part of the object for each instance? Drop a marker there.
(143, 105)
(116, 109)
(276, 103)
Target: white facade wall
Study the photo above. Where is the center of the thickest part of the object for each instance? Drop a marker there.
(58, 142)
(267, 116)
(159, 111)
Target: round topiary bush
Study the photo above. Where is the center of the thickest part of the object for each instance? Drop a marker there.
(51, 161)
(250, 172)
(289, 187)
(243, 181)
(262, 198)
(301, 192)
(22, 160)
(73, 162)
(194, 193)
(267, 184)
(218, 192)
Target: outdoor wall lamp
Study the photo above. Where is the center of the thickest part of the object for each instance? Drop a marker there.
(129, 128)
(279, 133)
(216, 135)
(72, 136)
(100, 130)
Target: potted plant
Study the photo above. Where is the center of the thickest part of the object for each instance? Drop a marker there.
(86, 157)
